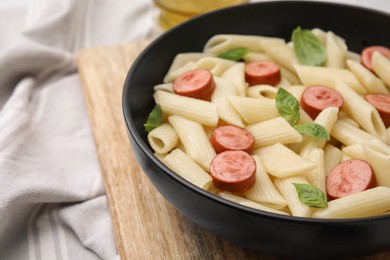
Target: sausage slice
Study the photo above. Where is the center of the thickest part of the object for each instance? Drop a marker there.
(351, 176)
(229, 137)
(262, 72)
(366, 55)
(197, 83)
(316, 98)
(233, 171)
(382, 104)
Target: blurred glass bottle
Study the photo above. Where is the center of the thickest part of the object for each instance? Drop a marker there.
(173, 12)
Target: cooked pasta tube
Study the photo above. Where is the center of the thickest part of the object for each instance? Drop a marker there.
(182, 59)
(336, 51)
(311, 75)
(326, 118)
(354, 151)
(183, 165)
(194, 109)
(194, 139)
(332, 157)
(262, 91)
(219, 97)
(289, 192)
(349, 134)
(236, 75)
(264, 190)
(371, 202)
(317, 175)
(378, 156)
(367, 78)
(223, 42)
(381, 66)
(279, 51)
(253, 110)
(276, 130)
(255, 56)
(361, 111)
(249, 203)
(216, 66)
(282, 162)
(163, 138)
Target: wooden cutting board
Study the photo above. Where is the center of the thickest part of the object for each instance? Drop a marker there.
(145, 225)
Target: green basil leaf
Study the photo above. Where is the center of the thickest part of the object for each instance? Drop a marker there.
(313, 129)
(234, 54)
(308, 48)
(288, 106)
(154, 119)
(311, 196)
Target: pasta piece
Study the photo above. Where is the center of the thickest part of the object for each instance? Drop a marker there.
(283, 83)
(354, 151)
(287, 189)
(253, 110)
(236, 75)
(371, 202)
(291, 77)
(349, 134)
(282, 162)
(320, 34)
(223, 42)
(273, 131)
(219, 97)
(182, 59)
(248, 203)
(336, 51)
(194, 139)
(165, 87)
(343, 115)
(263, 190)
(367, 78)
(332, 157)
(163, 138)
(378, 156)
(262, 91)
(279, 51)
(317, 175)
(296, 91)
(197, 110)
(311, 75)
(185, 167)
(353, 56)
(381, 66)
(361, 111)
(256, 56)
(326, 118)
(216, 66)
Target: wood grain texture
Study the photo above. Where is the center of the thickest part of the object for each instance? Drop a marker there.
(145, 225)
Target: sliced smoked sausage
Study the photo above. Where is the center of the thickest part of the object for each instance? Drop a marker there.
(262, 72)
(366, 55)
(197, 83)
(348, 177)
(229, 137)
(382, 104)
(233, 171)
(316, 98)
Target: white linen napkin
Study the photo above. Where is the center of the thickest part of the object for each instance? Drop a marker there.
(52, 199)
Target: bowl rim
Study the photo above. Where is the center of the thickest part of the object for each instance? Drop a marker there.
(146, 150)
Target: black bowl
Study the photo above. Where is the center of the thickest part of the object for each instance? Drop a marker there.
(250, 228)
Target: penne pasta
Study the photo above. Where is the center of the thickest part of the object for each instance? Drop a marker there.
(332, 157)
(194, 139)
(361, 111)
(236, 75)
(354, 151)
(223, 42)
(317, 175)
(262, 91)
(349, 134)
(279, 51)
(273, 131)
(336, 51)
(378, 156)
(197, 110)
(263, 190)
(183, 165)
(163, 138)
(381, 66)
(286, 163)
(182, 59)
(372, 202)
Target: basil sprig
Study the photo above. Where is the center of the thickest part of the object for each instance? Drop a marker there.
(311, 196)
(154, 119)
(234, 54)
(288, 108)
(308, 48)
